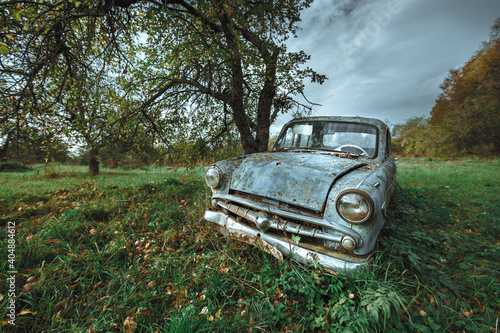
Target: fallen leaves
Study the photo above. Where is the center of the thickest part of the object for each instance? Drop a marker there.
(27, 286)
(129, 325)
(331, 271)
(25, 312)
(467, 313)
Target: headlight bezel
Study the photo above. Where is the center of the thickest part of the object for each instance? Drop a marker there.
(213, 185)
(364, 196)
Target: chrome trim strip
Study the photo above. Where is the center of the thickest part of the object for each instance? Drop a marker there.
(288, 226)
(296, 252)
(290, 215)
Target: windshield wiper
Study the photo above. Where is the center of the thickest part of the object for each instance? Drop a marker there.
(319, 151)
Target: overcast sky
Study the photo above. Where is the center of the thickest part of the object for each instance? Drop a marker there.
(386, 58)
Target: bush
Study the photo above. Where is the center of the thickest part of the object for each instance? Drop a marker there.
(13, 167)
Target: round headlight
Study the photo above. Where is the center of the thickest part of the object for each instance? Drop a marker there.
(354, 206)
(213, 176)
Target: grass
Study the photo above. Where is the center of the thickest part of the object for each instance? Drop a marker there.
(444, 231)
(128, 251)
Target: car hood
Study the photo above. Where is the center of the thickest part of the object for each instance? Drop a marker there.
(300, 179)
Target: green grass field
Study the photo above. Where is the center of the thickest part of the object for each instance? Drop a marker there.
(128, 251)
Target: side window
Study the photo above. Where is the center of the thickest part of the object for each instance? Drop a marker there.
(388, 150)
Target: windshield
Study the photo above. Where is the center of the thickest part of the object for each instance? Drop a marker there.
(354, 138)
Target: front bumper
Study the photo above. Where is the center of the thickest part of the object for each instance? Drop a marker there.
(279, 247)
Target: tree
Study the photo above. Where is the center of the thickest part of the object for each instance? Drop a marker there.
(225, 60)
(56, 64)
(222, 62)
(466, 112)
(413, 137)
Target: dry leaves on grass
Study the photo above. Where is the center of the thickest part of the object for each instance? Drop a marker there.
(26, 311)
(129, 325)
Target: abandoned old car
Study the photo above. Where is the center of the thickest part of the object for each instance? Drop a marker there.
(320, 195)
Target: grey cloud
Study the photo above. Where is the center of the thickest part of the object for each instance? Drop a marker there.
(387, 58)
(348, 7)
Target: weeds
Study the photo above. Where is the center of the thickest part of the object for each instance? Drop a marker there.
(130, 249)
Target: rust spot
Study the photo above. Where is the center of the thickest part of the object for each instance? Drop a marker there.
(258, 242)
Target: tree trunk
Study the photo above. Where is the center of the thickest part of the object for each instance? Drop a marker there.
(4, 149)
(94, 161)
(240, 118)
(248, 142)
(266, 98)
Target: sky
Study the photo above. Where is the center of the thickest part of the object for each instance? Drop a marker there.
(386, 59)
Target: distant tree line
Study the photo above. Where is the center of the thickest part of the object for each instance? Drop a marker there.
(30, 146)
(465, 119)
(35, 148)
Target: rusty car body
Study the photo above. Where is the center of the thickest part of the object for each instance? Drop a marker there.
(320, 195)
